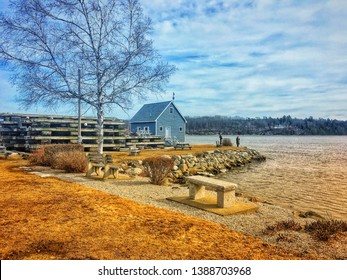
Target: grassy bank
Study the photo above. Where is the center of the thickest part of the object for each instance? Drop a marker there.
(46, 218)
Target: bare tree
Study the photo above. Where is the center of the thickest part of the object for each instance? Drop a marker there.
(47, 42)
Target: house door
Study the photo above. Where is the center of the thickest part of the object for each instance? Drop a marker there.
(168, 132)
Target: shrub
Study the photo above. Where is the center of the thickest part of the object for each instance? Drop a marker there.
(38, 157)
(157, 169)
(322, 230)
(71, 161)
(51, 151)
(284, 225)
(227, 142)
(69, 157)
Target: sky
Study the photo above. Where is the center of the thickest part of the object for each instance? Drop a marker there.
(243, 58)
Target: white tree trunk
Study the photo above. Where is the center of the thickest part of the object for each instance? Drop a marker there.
(100, 115)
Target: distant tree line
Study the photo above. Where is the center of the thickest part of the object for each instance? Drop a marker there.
(285, 125)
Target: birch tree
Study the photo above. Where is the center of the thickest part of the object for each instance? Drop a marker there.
(46, 42)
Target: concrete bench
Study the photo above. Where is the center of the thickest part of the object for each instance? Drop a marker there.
(225, 190)
(110, 169)
(97, 162)
(183, 146)
(134, 151)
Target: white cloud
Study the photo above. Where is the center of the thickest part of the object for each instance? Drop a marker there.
(253, 58)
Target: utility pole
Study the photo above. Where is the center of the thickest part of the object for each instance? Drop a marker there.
(79, 139)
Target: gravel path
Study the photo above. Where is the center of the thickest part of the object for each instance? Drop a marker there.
(140, 190)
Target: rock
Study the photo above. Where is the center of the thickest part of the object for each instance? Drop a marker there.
(183, 167)
(188, 156)
(310, 214)
(132, 172)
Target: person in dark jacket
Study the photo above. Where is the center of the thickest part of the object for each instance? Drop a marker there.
(238, 141)
(220, 139)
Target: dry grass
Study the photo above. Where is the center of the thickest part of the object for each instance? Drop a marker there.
(283, 225)
(323, 230)
(46, 218)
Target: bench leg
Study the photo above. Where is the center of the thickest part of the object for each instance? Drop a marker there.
(225, 199)
(196, 191)
(107, 172)
(114, 172)
(90, 170)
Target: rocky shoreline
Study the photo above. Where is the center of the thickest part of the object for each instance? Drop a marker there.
(208, 163)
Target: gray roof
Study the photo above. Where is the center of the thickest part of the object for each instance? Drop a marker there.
(151, 112)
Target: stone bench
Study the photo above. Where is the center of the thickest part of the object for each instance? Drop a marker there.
(225, 190)
(134, 151)
(110, 169)
(97, 162)
(183, 146)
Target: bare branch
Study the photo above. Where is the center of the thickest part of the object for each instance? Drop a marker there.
(46, 42)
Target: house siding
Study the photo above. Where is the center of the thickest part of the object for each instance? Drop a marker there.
(142, 125)
(172, 120)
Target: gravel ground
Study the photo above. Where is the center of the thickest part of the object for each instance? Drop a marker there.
(140, 190)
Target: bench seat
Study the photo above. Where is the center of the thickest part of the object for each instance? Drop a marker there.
(225, 190)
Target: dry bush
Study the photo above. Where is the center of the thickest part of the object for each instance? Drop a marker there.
(38, 157)
(71, 161)
(227, 142)
(69, 157)
(322, 230)
(284, 225)
(157, 169)
(51, 151)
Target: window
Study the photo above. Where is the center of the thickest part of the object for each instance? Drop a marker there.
(160, 128)
(171, 110)
(181, 128)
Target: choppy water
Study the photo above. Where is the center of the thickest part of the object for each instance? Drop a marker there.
(301, 172)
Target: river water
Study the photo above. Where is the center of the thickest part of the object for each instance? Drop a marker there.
(301, 172)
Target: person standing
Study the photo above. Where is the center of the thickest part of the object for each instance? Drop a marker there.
(220, 139)
(237, 141)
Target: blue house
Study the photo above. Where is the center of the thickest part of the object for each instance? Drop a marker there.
(161, 119)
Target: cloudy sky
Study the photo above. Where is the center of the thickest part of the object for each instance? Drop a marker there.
(246, 58)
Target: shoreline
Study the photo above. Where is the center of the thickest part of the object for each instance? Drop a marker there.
(138, 189)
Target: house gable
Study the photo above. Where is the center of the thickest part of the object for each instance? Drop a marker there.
(163, 119)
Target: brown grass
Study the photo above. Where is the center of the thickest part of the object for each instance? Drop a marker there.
(46, 218)
(323, 230)
(284, 225)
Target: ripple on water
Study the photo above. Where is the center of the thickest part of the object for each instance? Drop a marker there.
(307, 175)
